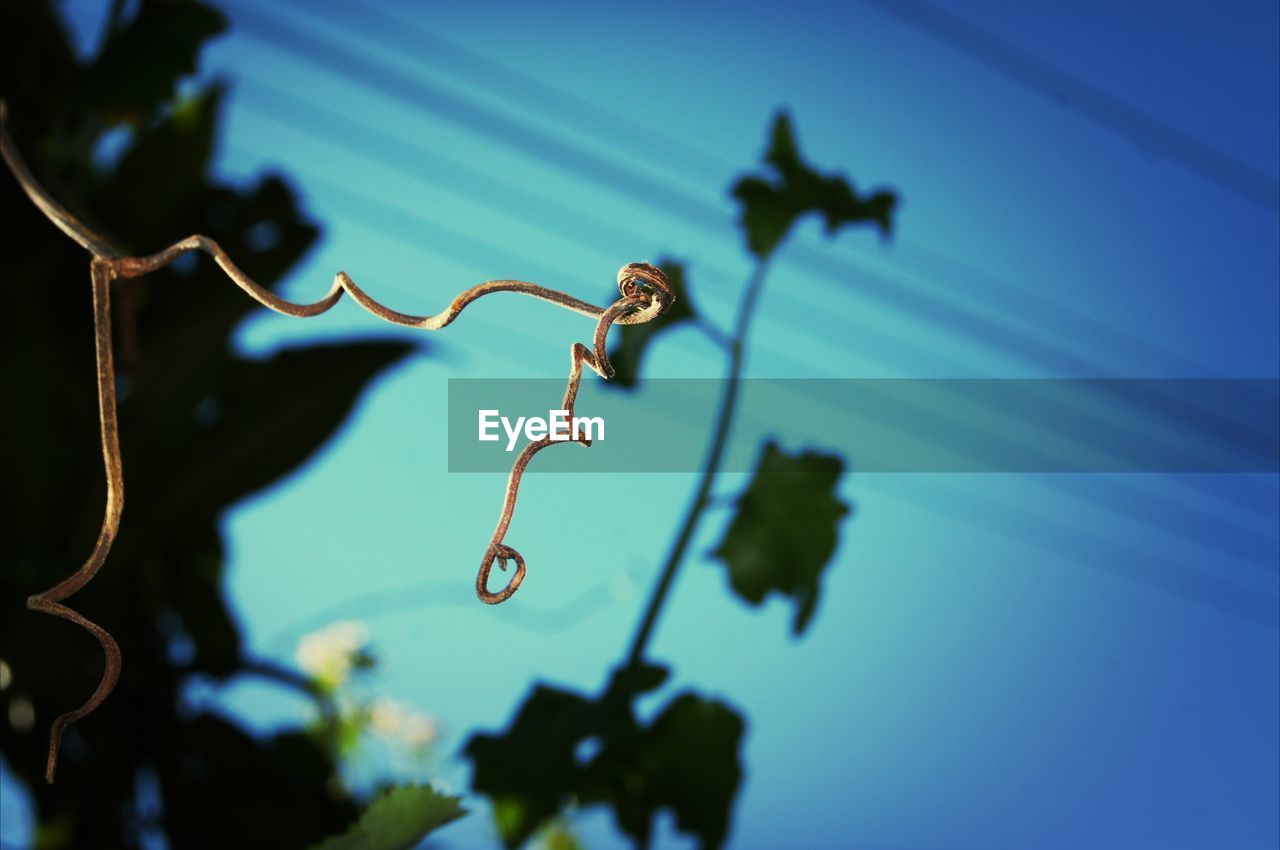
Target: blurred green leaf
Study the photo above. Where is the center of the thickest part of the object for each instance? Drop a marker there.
(692, 752)
(192, 310)
(633, 340)
(785, 529)
(272, 415)
(276, 791)
(530, 771)
(686, 761)
(164, 171)
(141, 63)
(40, 69)
(772, 203)
(252, 423)
(397, 819)
(559, 836)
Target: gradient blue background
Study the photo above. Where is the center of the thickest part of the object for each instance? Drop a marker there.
(997, 661)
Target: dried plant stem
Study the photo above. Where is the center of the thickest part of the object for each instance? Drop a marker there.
(50, 601)
(578, 354)
(710, 467)
(645, 295)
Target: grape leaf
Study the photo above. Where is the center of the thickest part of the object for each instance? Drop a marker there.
(694, 746)
(785, 529)
(530, 771)
(771, 204)
(686, 761)
(633, 340)
(397, 819)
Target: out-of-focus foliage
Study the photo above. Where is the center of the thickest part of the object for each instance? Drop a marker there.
(633, 340)
(137, 70)
(201, 428)
(785, 529)
(771, 204)
(398, 819)
(563, 746)
(559, 836)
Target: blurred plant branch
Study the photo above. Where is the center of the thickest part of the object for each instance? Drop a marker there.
(769, 209)
(710, 467)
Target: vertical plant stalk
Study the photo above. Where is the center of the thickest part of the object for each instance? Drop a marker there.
(710, 467)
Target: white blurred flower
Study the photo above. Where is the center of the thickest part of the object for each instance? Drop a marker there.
(22, 715)
(387, 717)
(329, 654)
(391, 719)
(419, 730)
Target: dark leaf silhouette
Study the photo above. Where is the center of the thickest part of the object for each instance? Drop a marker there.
(397, 819)
(771, 204)
(164, 169)
(687, 761)
(530, 771)
(141, 64)
(201, 427)
(693, 747)
(270, 416)
(785, 529)
(267, 783)
(633, 340)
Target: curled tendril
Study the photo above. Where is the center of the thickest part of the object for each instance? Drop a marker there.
(645, 294)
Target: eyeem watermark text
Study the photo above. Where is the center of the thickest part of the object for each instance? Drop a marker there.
(559, 426)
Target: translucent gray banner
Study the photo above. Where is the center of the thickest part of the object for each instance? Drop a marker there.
(884, 425)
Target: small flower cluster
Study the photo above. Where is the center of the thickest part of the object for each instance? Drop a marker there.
(330, 654)
(393, 720)
(330, 657)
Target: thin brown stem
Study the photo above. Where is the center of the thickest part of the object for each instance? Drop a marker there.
(50, 601)
(578, 354)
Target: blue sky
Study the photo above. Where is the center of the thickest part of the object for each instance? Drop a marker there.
(997, 660)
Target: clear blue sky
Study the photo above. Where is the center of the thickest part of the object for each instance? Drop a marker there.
(997, 661)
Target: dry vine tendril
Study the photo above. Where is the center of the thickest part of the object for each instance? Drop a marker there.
(645, 294)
